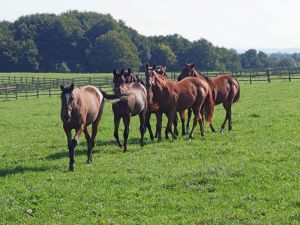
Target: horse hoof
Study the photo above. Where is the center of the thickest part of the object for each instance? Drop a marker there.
(88, 161)
(71, 169)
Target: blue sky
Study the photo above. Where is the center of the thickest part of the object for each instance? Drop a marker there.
(229, 23)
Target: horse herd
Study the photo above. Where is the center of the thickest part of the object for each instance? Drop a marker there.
(192, 91)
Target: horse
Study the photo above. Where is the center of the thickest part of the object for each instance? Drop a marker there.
(80, 107)
(133, 102)
(175, 97)
(153, 108)
(225, 88)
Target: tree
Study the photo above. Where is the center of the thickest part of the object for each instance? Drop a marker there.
(113, 50)
(163, 55)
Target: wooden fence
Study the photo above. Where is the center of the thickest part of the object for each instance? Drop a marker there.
(17, 87)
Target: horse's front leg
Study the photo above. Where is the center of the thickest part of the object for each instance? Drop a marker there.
(158, 115)
(116, 131)
(148, 125)
(126, 121)
(69, 140)
(72, 145)
(171, 115)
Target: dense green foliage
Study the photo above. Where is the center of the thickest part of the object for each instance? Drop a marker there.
(247, 176)
(93, 42)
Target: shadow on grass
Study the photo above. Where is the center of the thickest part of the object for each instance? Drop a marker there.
(21, 169)
(108, 147)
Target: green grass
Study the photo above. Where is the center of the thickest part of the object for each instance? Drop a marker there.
(247, 176)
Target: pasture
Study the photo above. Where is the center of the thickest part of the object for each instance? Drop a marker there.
(247, 176)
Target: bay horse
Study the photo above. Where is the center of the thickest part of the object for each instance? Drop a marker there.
(80, 107)
(133, 102)
(175, 97)
(225, 88)
(154, 107)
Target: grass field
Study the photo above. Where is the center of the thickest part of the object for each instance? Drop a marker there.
(247, 176)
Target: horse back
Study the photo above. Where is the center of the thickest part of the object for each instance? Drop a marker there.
(91, 100)
(226, 88)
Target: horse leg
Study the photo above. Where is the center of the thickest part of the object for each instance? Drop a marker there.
(229, 119)
(72, 145)
(193, 128)
(69, 140)
(148, 125)
(126, 121)
(210, 124)
(158, 124)
(89, 144)
(92, 142)
(227, 109)
(175, 123)
(182, 115)
(171, 115)
(142, 126)
(116, 132)
(188, 120)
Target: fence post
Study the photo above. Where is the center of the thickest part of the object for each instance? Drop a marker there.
(290, 75)
(49, 92)
(26, 91)
(250, 78)
(37, 91)
(16, 92)
(268, 75)
(5, 92)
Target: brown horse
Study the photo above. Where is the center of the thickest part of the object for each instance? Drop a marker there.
(153, 108)
(80, 107)
(175, 97)
(133, 102)
(225, 88)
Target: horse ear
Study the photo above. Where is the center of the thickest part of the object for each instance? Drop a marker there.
(71, 87)
(122, 71)
(185, 64)
(114, 72)
(147, 66)
(154, 67)
(129, 71)
(62, 87)
(193, 65)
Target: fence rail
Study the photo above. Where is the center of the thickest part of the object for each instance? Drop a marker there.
(19, 87)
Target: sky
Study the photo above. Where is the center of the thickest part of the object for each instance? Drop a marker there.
(238, 24)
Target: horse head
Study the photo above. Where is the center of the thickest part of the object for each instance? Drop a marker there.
(161, 70)
(188, 71)
(67, 102)
(119, 79)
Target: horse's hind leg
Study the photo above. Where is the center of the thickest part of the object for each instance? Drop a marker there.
(116, 131)
(89, 145)
(126, 121)
(142, 126)
(175, 123)
(188, 120)
(227, 107)
(171, 116)
(182, 118)
(210, 124)
(148, 125)
(92, 139)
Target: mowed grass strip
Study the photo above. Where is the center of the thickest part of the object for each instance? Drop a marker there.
(247, 176)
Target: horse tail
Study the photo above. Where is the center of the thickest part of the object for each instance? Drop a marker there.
(212, 87)
(101, 108)
(116, 97)
(209, 106)
(237, 96)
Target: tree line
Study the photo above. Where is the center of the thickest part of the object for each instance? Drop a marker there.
(92, 42)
